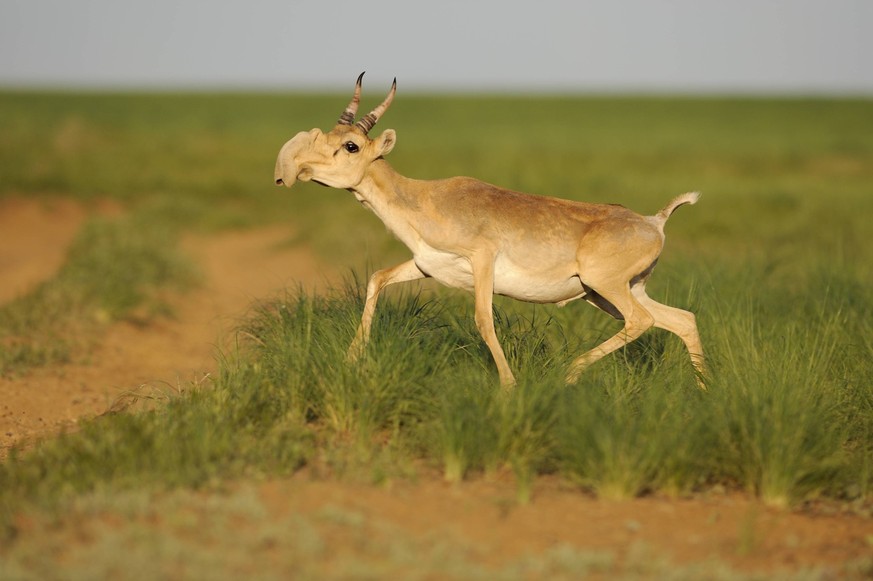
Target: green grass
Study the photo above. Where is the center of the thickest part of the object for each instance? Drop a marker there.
(776, 261)
(787, 415)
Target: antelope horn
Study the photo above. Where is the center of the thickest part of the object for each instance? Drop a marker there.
(367, 122)
(348, 116)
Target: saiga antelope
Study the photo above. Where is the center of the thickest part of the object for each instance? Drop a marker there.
(469, 234)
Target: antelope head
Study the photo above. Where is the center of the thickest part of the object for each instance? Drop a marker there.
(340, 157)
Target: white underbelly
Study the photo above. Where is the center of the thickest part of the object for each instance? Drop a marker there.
(537, 285)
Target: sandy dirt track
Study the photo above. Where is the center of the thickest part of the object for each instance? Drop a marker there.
(238, 268)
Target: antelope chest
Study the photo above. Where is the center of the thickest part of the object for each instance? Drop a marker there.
(448, 268)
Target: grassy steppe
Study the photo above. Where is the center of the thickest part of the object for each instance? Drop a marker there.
(776, 260)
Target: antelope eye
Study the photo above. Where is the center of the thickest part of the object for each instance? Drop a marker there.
(350, 147)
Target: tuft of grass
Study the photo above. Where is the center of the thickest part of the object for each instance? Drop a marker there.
(634, 433)
(466, 432)
(780, 431)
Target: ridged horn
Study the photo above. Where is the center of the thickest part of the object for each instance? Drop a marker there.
(369, 120)
(348, 116)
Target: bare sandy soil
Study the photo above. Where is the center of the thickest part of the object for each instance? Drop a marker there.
(239, 267)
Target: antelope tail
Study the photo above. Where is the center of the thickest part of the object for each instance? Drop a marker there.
(666, 211)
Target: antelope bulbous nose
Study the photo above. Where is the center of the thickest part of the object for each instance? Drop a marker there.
(279, 182)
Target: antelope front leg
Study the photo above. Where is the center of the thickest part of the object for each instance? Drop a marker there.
(380, 279)
(483, 288)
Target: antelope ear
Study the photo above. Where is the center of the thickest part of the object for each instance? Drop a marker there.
(385, 142)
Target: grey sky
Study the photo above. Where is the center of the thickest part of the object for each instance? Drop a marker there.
(767, 46)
